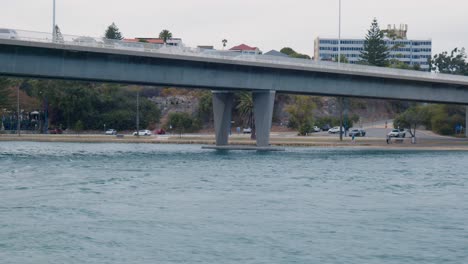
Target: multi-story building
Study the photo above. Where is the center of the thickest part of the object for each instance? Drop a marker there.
(410, 52)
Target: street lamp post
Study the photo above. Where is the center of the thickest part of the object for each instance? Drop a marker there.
(53, 21)
(339, 64)
(18, 124)
(339, 33)
(138, 114)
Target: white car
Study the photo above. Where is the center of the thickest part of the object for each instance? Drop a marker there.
(316, 129)
(334, 130)
(247, 130)
(8, 33)
(142, 133)
(111, 132)
(397, 133)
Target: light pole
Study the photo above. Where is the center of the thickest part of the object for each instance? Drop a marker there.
(53, 21)
(138, 114)
(339, 33)
(18, 124)
(339, 64)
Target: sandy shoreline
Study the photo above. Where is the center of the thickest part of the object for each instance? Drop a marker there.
(375, 143)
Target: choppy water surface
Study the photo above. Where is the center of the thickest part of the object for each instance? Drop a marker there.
(112, 203)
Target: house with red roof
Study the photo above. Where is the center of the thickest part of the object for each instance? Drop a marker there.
(246, 49)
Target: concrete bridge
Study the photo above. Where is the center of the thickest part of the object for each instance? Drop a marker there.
(223, 73)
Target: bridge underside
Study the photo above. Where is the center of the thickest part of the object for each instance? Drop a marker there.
(101, 65)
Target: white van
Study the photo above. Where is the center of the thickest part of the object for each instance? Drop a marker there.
(8, 33)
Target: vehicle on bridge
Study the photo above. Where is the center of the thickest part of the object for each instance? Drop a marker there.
(399, 133)
(8, 33)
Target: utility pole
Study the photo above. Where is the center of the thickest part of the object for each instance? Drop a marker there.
(339, 34)
(138, 114)
(18, 125)
(340, 99)
(53, 22)
(341, 118)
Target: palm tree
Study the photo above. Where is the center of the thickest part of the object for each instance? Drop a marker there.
(224, 43)
(246, 108)
(165, 35)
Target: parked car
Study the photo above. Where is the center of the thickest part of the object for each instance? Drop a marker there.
(357, 133)
(335, 130)
(111, 132)
(161, 131)
(142, 133)
(316, 129)
(55, 131)
(247, 130)
(325, 127)
(397, 133)
(8, 33)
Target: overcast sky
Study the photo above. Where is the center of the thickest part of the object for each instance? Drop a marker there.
(266, 24)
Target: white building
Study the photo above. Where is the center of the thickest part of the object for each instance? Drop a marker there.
(411, 52)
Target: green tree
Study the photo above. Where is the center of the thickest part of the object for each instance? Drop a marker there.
(94, 104)
(343, 59)
(79, 126)
(375, 51)
(4, 93)
(412, 119)
(182, 122)
(444, 118)
(301, 111)
(205, 106)
(453, 63)
(397, 64)
(293, 54)
(113, 32)
(245, 107)
(165, 35)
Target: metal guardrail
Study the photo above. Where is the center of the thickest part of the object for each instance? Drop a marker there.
(71, 40)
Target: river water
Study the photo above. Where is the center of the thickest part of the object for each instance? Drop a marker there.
(139, 203)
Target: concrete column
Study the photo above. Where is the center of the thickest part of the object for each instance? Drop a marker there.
(263, 112)
(466, 121)
(222, 109)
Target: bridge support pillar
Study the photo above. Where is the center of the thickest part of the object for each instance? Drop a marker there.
(466, 121)
(222, 108)
(263, 111)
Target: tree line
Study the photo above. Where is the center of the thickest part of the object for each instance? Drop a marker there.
(82, 105)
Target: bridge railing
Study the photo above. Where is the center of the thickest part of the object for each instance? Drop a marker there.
(71, 40)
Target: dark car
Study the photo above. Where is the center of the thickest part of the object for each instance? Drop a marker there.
(357, 133)
(55, 131)
(326, 127)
